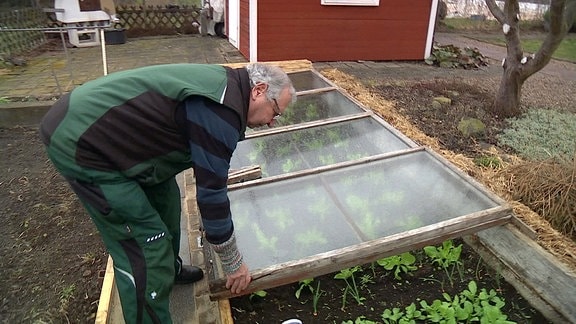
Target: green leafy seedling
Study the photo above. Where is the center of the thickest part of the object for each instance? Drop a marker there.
(348, 276)
(403, 263)
(258, 294)
(360, 320)
(445, 256)
(304, 284)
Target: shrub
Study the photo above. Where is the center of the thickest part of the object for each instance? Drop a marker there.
(541, 134)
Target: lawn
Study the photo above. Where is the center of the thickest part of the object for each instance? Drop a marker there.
(566, 50)
(532, 35)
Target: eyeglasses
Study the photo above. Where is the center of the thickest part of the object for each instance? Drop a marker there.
(276, 108)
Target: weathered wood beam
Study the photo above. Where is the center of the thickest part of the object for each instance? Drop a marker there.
(363, 253)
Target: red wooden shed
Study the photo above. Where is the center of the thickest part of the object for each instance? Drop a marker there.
(332, 30)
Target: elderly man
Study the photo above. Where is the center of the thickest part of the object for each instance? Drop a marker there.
(121, 139)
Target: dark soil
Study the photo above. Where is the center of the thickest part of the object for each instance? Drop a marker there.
(467, 101)
(381, 291)
(52, 259)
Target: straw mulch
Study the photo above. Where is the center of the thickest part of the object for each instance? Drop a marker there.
(500, 181)
(549, 188)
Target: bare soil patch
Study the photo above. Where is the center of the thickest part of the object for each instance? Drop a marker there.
(51, 256)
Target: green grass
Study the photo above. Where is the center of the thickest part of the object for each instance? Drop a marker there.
(531, 35)
(566, 50)
(466, 24)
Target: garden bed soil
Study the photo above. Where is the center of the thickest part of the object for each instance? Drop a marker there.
(52, 259)
(381, 291)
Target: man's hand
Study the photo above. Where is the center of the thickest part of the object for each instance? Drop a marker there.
(238, 280)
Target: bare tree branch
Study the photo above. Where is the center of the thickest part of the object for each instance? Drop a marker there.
(558, 30)
(496, 11)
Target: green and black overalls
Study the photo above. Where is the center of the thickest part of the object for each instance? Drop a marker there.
(120, 140)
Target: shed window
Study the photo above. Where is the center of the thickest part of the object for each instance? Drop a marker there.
(350, 2)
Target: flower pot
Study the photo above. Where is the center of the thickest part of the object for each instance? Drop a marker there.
(115, 36)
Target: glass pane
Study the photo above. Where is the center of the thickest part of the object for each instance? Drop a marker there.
(404, 193)
(316, 146)
(271, 228)
(317, 106)
(307, 80)
(291, 219)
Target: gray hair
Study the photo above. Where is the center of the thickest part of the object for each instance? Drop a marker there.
(276, 79)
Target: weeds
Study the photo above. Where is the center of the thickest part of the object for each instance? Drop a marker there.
(360, 320)
(258, 294)
(306, 283)
(466, 304)
(88, 258)
(486, 161)
(316, 292)
(67, 292)
(66, 295)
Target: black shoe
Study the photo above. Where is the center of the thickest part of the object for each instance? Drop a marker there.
(188, 275)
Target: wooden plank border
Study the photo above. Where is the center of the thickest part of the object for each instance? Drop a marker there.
(362, 253)
(536, 274)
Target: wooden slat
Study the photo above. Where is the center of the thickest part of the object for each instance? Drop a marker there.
(248, 173)
(537, 275)
(304, 125)
(225, 312)
(104, 303)
(366, 252)
(287, 66)
(319, 169)
(317, 90)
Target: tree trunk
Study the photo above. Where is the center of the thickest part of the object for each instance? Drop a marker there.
(507, 101)
(517, 67)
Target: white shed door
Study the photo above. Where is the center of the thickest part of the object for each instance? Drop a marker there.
(233, 22)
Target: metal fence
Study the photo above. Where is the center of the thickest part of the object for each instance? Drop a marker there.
(23, 29)
(14, 42)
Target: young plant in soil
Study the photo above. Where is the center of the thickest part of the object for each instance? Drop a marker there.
(316, 292)
(385, 299)
(402, 263)
(351, 288)
(445, 256)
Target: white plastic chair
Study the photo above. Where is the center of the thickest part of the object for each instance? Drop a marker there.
(68, 12)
